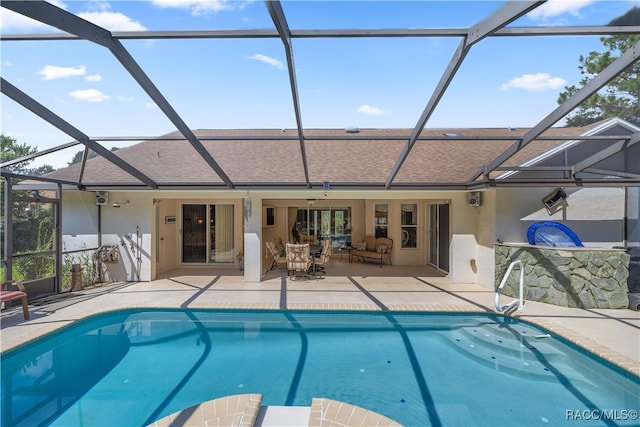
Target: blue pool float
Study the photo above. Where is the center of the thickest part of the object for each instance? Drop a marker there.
(550, 233)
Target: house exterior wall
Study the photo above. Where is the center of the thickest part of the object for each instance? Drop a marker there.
(149, 245)
(168, 236)
(596, 215)
(80, 221)
(487, 225)
(129, 227)
(146, 245)
(463, 251)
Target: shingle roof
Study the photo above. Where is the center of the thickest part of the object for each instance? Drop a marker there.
(272, 156)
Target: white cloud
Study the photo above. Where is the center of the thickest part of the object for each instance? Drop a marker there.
(553, 8)
(124, 98)
(201, 7)
(7, 64)
(534, 82)
(112, 21)
(151, 106)
(370, 110)
(52, 72)
(89, 95)
(93, 78)
(267, 60)
(12, 21)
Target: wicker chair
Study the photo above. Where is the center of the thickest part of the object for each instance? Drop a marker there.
(276, 253)
(321, 261)
(298, 258)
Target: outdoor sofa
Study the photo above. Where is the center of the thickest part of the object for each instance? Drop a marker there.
(376, 248)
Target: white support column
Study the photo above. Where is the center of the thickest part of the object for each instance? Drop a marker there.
(252, 238)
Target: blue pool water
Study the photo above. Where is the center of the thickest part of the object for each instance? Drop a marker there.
(132, 367)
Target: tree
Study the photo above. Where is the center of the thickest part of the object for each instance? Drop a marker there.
(32, 222)
(11, 149)
(621, 96)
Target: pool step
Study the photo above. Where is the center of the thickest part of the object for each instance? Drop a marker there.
(532, 356)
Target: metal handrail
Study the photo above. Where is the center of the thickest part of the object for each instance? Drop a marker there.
(519, 301)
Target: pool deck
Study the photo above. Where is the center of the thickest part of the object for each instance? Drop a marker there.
(612, 334)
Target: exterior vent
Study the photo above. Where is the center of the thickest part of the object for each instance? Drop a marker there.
(102, 198)
(475, 198)
(352, 129)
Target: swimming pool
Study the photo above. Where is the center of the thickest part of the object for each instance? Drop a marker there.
(132, 367)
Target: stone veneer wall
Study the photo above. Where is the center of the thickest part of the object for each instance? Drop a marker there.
(568, 277)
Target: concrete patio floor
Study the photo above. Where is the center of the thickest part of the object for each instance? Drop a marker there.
(612, 334)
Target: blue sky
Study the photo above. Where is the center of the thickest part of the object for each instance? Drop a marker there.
(242, 83)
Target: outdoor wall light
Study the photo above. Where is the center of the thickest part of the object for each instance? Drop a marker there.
(118, 204)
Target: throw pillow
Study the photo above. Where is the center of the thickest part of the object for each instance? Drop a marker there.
(382, 249)
(361, 246)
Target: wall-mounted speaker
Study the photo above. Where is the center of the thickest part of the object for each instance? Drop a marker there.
(474, 198)
(102, 198)
(555, 198)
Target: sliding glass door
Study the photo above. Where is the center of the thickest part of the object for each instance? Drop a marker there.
(439, 235)
(207, 234)
(333, 222)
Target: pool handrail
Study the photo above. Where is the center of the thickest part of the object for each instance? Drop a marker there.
(519, 301)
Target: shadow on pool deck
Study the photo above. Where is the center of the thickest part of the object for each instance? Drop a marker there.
(613, 334)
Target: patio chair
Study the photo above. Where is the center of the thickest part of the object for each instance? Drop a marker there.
(320, 262)
(276, 253)
(7, 294)
(298, 258)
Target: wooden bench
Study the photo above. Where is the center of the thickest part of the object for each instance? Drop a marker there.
(7, 294)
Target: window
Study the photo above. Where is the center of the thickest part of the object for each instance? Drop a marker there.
(316, 223)
(409, 220)
(269, 216)
(382, 220)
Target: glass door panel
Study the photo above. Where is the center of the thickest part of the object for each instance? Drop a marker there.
(325, 222)
(433, 234)
(221, 234)
(194, 233)
(439, 235)
(443, 236)
(381, 222)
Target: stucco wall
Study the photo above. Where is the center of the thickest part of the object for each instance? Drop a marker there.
(79, 221)
(594, 214)
(464, 248)
(486, 239)
(127, 227)
(168, 237)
